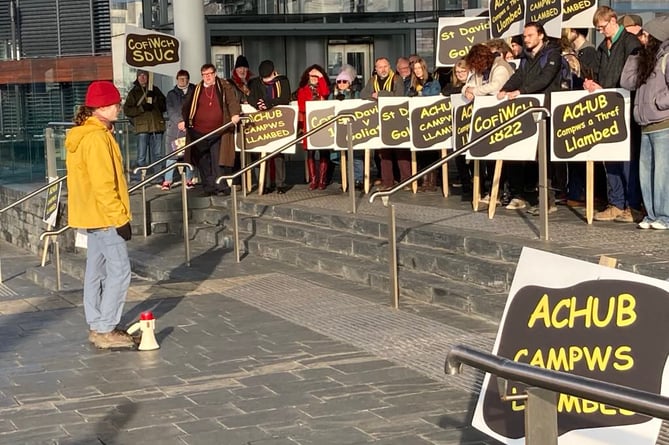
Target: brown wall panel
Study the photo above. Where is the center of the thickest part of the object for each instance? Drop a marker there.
(60, 69)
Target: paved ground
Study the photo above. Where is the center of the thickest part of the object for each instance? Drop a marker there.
(248, 355)
(258, 352)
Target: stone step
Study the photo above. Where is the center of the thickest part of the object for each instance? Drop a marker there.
(46, 278)
(481, 270)
(471, 242)
(466, 297)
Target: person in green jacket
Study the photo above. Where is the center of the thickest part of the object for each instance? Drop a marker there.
(145, 105)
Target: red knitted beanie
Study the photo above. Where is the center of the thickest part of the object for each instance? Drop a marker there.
(102, 93)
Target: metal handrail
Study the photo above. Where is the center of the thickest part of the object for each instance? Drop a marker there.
(184, 205)
(143, 182)
(24, 199)
(33, 194)
(348, 116)
(439, 162)
(386, 194)
(181, 150)
(624, 397)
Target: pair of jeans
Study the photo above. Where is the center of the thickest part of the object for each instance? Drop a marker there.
(622, 180)
(169, 175)
(654, 174)
(149, 149)
(106, 279)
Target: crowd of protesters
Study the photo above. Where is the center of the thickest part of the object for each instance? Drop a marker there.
(630, 56)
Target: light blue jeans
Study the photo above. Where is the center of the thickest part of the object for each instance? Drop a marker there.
(106, 279)
(169, 175)
(654, 174)
(149, 149)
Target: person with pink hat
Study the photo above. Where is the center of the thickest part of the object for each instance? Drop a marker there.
(98, 202)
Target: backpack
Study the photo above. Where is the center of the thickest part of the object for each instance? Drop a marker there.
(567, 73)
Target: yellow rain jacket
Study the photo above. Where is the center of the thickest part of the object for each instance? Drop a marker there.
(97, 190)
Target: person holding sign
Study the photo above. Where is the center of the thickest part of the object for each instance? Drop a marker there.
(422, 84)
(490, 71)
(622, 178)
(385, 82)
(539, 72)
(314, 85)
(98, 201)
(344, 90)
(266, 91)
(211, 105)
(145, 105)
(647, 72)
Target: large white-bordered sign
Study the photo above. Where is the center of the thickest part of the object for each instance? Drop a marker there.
(516, 141)
(590, 126)
(457, 35)
(268, 130)
(573, 316)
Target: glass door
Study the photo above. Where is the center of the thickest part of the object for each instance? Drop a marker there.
(356, 55)
(223, 58)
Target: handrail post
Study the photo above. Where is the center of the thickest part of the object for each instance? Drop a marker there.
(235, 223)
(543, 181)
(351, 174)
(184, 208)
(144, 219)
(392, 256)
(56, 244)
(242, 159)
(50, 149)
(541, 417)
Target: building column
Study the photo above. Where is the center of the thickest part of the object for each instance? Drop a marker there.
(190, 29)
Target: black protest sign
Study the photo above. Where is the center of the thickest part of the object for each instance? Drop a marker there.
(268, 130)
(394, 122)
(571, 8)
(52, 204)
(431, 123)
(365, 126)
(605, 329)
(546, 12)
(578, 13)
(462, 118)
(507, 17)
(582, 124)
(316, 117)
(496, 116)
(151, 49)
(457, 36)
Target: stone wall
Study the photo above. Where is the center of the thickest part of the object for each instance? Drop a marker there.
(23, 225)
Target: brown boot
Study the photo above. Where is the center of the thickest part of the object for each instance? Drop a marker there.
(322, 174)
(311, 168)
(429, 182)
(113, 339)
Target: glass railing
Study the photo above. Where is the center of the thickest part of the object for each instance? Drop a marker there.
(21, 158)
(55, 152)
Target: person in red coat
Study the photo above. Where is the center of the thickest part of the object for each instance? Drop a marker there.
(314, 85)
